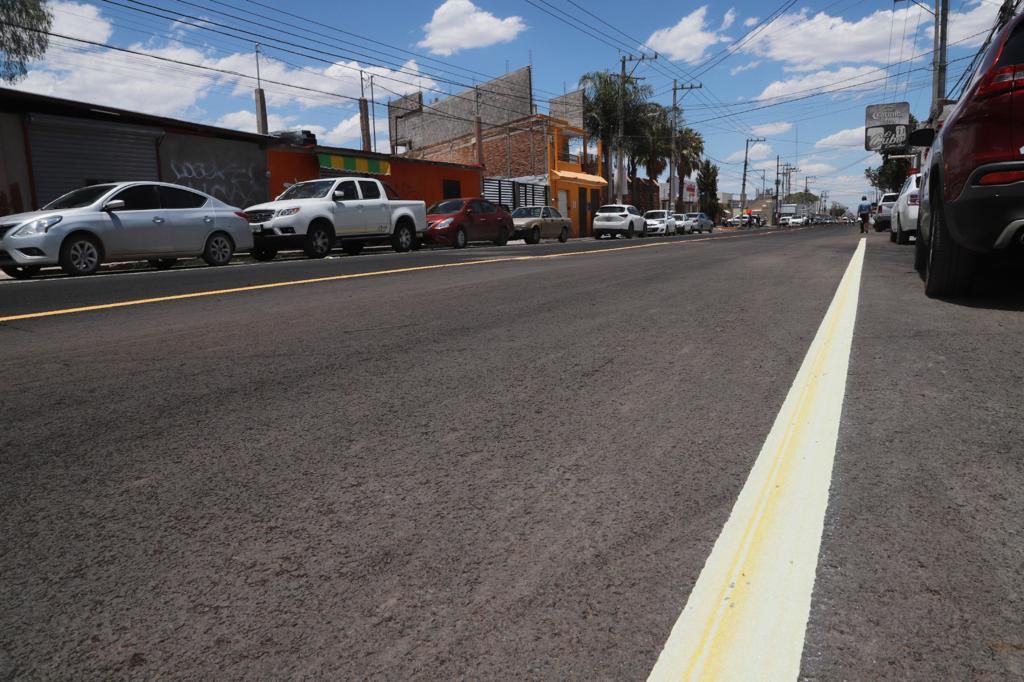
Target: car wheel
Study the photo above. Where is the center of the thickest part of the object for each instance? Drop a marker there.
(319, 241)
(597, 235)
(20, 271)
(352, 248)
(950, 266)
(920, 255)
(502, 237)
(901, 236)
(163, 263)
(219, 249)
(630, 231)
(563, 236)
(263, 253)
(710, 230)
(79, 255)
(534, 236)
(417, 244)
(460, 239)
(892, 235)
(404, 236)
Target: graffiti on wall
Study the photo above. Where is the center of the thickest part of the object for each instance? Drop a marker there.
(234, 172)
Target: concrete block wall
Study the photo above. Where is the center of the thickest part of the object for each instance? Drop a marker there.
(502, 100)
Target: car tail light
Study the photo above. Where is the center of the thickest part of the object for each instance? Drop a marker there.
(914, 199)
(1000, 81)
(241, 214)
(1001, 178)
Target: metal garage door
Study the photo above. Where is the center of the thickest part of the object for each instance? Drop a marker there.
(68, 153)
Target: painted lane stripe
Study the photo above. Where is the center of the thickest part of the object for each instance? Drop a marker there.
(746, 616)
(359, 275)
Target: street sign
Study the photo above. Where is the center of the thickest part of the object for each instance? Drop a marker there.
(886, 126)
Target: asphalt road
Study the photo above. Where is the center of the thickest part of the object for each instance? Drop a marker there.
(501, 463)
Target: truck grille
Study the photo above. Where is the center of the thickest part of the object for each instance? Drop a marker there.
(259, 216)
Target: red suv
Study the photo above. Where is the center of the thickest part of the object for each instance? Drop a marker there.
(457, 222)
(972, 185)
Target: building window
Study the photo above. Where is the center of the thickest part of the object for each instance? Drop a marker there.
(452, 189)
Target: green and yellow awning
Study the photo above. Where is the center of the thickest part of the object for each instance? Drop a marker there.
(355, 163)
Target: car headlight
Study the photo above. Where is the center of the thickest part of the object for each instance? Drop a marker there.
(443, 224)
(38, 226)
(286, 211)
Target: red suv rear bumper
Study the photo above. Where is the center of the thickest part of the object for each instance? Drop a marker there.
(984, 218)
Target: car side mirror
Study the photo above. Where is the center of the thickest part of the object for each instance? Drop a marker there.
(339, 195)
(922, 137)
(115, 205)
(469, 211)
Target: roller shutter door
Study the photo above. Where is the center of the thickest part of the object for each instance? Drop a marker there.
(69, 153)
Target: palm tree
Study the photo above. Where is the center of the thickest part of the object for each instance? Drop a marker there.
(689, 150)
(707, 189)
(602, 92)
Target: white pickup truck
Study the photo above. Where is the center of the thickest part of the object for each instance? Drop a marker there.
(316, 214)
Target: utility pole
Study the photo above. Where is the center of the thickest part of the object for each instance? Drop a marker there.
(373, 114)
(479, 131)
(261, 99)
(674, 192)
(620, 175)
(364, 114)
(776, 204)
(807, 183)
(939, 63)
(746, 154)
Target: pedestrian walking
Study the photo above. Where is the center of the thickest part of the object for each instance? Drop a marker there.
(864, 212)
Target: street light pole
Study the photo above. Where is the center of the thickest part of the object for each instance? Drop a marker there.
(746, 155)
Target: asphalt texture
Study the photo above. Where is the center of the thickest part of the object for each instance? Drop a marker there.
(513, 469)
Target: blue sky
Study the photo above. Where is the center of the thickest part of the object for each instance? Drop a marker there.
(837, 56)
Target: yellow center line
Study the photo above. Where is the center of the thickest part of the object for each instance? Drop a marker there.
(357, 275)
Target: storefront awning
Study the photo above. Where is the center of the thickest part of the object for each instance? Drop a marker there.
(584, 179)
(355, 163)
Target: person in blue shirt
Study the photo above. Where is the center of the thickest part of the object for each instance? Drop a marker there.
(864, 212)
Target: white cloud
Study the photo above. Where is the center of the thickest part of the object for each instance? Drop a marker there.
(797, 39)
(728, 19)
(81, 21)
(245, 120)
(776, 128)
(459, 25)
(750, 22)
(91, 74)
(966, 26)
(850, 137)
(745, 67)
(816, 169)
(843, 80)
(688, 40)
(759, 151)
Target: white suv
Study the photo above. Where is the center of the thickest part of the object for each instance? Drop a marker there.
(660, 222)
(616, 219)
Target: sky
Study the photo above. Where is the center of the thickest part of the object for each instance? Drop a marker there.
(798, 74)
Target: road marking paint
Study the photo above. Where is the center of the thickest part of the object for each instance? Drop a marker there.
(357, 275)
(747, 614)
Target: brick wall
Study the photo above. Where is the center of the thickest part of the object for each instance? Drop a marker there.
(525, 139)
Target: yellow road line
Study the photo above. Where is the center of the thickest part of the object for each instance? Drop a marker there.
(358, 275)
(747, 614)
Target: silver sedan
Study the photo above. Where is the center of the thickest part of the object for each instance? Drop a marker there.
(152, 221)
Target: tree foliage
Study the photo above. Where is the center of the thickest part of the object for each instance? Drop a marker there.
(23, 28)
(890, 176)
(602, 92)
(838, 210)
(707, 189)
(801, 198)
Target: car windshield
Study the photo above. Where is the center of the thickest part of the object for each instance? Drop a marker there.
(890, 198)
(316, 189)
(527, 212)
(612, 209)
(693, 215)
(79, 198)
(655, 214)
(445, 207)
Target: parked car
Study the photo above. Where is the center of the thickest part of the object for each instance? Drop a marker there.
(797, 220)
(122, 221)
(903, 224)
(534, 223)
(697, 222)
(972, 184)
(619, 219)
(314, 215)
(734, 222)
(785, 220)
(660, 222)
(456, 222)
(679, 218)
(883, 214)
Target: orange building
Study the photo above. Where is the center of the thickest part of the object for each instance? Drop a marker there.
(429, 181)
